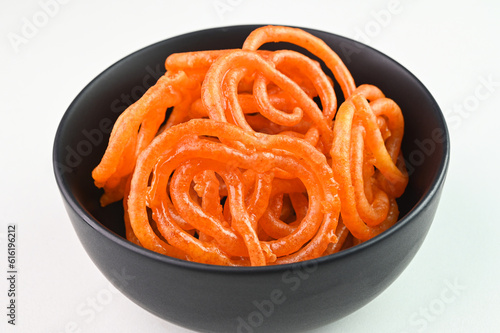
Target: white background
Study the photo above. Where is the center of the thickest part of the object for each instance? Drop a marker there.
(452, 285)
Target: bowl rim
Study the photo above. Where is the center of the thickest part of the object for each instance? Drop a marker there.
(123, 242)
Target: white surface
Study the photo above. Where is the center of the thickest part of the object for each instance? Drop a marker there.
(452, 47)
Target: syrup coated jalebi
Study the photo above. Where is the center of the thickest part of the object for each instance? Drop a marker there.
(254, 164)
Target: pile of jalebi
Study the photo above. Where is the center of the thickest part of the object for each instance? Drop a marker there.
(255, 165)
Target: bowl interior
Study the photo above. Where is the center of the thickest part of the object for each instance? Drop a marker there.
(83, 133)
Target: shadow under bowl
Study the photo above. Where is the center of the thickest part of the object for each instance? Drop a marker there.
(284, 298)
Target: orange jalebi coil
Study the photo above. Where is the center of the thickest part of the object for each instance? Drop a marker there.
(255, 165)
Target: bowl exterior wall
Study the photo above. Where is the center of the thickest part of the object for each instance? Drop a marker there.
(292, 299)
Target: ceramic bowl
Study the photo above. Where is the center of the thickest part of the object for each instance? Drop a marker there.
(284, 298)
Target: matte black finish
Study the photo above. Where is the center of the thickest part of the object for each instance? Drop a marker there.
(286, 298)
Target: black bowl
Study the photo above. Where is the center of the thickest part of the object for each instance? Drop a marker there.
(284, 298)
